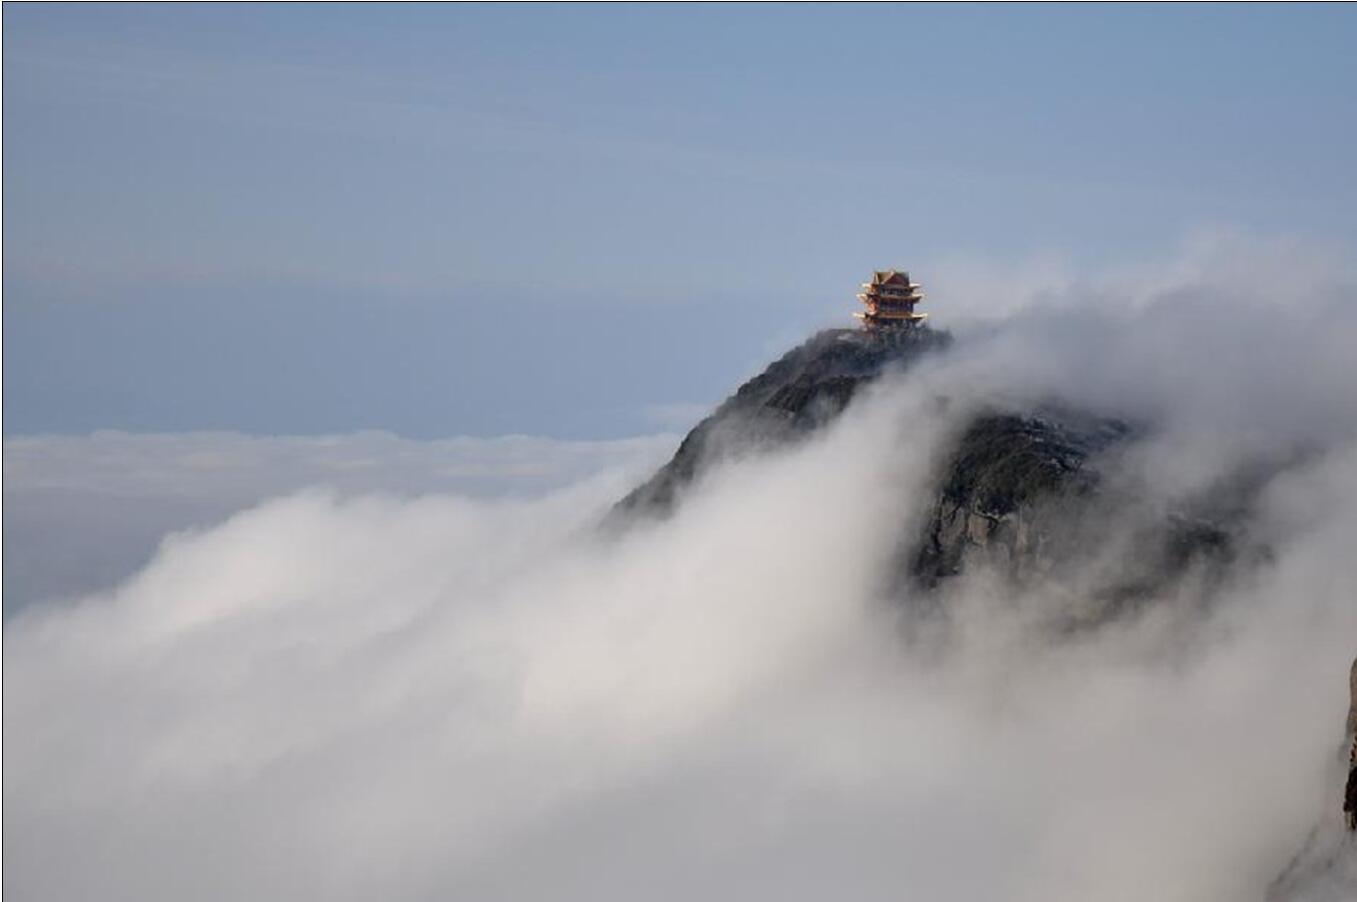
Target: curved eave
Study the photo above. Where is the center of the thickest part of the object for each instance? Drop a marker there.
(897, 317)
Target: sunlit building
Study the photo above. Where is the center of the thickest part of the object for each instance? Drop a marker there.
(890, 298)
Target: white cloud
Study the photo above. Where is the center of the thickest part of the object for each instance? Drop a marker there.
(85, 512)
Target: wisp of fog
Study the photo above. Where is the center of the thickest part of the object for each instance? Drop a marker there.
(344, 696)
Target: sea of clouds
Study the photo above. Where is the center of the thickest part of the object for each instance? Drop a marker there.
(386, 686)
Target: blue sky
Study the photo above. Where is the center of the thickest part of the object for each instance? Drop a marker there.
(484, 220)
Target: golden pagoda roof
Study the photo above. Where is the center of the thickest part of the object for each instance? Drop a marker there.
(892, 277)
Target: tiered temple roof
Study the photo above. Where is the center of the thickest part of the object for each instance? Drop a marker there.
(890, 298)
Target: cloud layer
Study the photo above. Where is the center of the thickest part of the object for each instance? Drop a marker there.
(345, 695)
(86, 512)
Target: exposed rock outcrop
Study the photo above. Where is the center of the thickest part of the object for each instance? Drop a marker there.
(1350, 793)
(1325, 869)
(1029, 496)
(1007, 491)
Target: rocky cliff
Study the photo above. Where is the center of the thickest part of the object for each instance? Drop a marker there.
(1020, 490)
(1325, 868)
(1350, 794)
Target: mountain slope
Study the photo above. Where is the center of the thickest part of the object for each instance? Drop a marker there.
(801, 391)
(1020, 490)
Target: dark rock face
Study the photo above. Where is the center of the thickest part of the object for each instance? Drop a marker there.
(1028, 496)
(798, 393)
(1350, 794)
(1008, 489)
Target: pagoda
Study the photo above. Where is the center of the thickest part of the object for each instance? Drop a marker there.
(890, 298)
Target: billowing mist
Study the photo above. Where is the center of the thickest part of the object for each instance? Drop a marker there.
(378, 695)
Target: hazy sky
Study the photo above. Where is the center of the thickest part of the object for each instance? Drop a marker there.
(450, 220)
